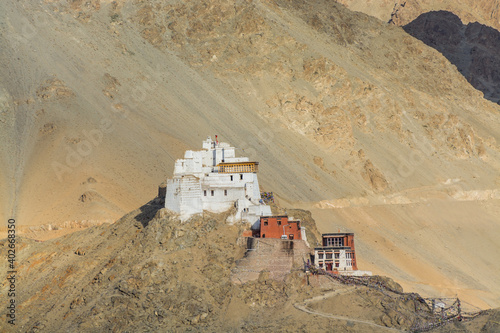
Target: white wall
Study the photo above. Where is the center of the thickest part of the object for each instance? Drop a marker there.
(172, 199)
(195, 174)
(342, 260)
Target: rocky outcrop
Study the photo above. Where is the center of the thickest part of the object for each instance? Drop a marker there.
(374, 177)
(53, 89)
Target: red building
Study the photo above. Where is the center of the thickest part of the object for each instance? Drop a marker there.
(279, 227)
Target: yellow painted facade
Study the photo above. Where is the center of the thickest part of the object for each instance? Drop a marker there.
(240, 167)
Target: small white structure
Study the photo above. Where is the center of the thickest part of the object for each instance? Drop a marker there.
(214, 179)
(340, 259)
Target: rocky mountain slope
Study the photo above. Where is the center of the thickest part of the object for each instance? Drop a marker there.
(402, 12)
(473, 48)
(149, 272)
(351, 117)
(471, 45)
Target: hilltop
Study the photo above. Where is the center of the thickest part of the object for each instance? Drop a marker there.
(148, 271)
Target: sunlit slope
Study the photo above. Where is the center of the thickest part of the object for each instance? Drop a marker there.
(338, 107)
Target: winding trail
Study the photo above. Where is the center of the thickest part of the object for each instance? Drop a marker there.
(303, 307)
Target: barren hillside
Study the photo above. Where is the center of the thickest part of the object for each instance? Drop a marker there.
(149, 272)
(473, 48)
(402, 12)
(465, 32)
(348, 115)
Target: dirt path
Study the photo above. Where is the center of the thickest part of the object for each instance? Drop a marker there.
(303, 307)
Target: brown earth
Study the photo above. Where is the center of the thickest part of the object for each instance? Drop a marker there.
(402, 12)
(302, 87)
(150, 272)
(465, 32)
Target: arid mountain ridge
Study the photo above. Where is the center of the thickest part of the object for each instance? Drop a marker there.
(465, 32)
(349, 116)
(402, 12)
(473, 48)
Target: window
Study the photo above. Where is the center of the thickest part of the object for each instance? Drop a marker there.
(320, 255)
(225, 193)
(328, 256)
(279, 222)
(241, 176)
(266, 222)
(337, 264)
(205, 192)
(212, 192)
(231, 178)
(335, 241)
(337, 255)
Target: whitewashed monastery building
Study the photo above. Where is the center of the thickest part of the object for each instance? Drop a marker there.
(214, 179)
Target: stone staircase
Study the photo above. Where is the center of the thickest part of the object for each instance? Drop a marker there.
(275, 256)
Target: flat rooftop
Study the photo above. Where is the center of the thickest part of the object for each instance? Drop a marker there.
(337, 234)
(333, 248)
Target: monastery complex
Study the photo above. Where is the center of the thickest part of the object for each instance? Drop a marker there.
(215, 180)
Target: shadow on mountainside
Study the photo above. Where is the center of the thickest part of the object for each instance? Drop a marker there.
(473, 48)
(148, 212)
